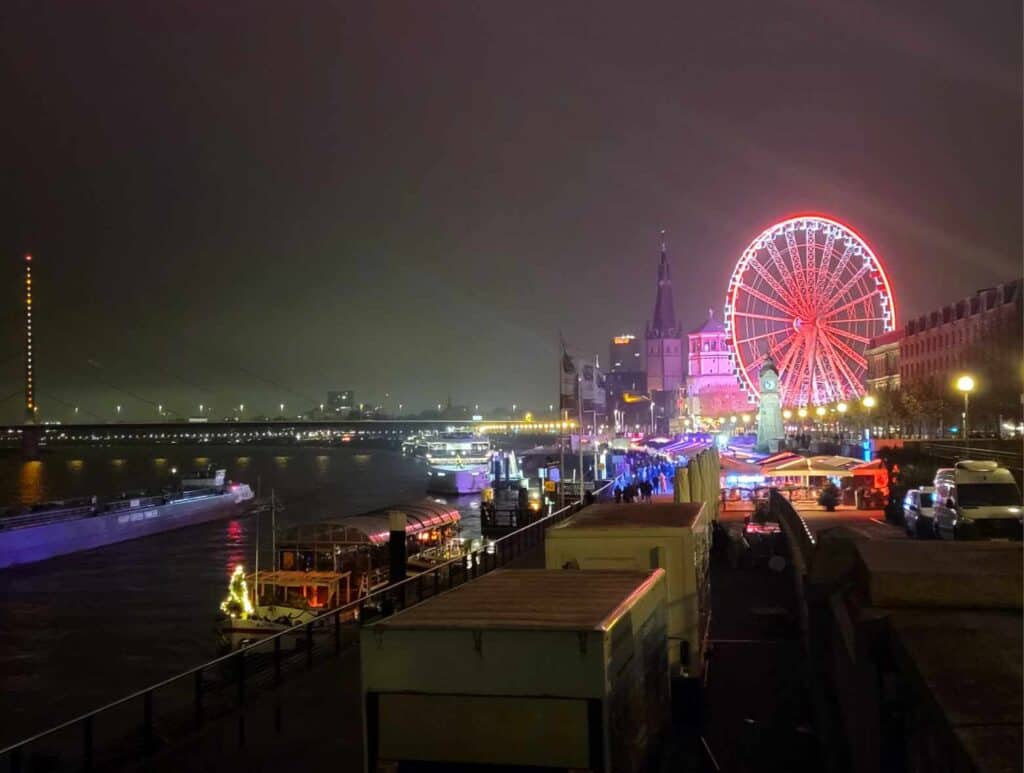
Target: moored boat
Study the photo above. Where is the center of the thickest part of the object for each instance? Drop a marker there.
(458, 464)
(325, 565)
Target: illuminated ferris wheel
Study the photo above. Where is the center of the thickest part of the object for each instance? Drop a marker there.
(809, 293)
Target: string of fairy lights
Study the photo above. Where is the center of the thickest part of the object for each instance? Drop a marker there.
(30, 399)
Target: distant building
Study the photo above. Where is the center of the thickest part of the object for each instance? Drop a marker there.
(883, 356)
(980, 335)
(624, 355)
(626, 383)
(665, 372)
(341, 401)
(712, 390)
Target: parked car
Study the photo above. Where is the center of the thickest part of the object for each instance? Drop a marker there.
(977, 500)
(919, 513)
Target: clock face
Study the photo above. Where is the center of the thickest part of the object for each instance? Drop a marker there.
(769, 384)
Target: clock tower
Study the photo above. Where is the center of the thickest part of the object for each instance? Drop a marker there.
(769, 412)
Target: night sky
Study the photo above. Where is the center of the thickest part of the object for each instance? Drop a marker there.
(258, 202)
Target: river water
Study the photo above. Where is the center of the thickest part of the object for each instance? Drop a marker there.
(81, 630)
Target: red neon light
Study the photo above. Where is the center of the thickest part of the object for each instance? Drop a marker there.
(811, 304)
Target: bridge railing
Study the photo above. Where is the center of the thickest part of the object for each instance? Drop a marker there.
(140, 724)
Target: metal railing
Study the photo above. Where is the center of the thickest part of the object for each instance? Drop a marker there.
(140, 724)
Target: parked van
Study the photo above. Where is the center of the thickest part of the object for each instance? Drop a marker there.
(977, 500)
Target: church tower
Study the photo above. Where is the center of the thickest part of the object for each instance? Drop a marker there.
(663, 338)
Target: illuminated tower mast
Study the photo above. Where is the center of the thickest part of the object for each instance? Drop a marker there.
(30, 396)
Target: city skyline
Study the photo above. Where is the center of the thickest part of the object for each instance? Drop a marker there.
(194, 244)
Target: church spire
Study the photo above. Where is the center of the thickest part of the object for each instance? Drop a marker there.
(664, 321)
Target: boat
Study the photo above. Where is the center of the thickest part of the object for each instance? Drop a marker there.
(59, 528)
(278, 601)
(324, 565)
(458, 464)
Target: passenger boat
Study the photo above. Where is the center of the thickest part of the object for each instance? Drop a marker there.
(325, 565)
(458, 464)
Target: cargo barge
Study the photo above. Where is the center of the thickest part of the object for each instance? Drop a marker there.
(60, 528)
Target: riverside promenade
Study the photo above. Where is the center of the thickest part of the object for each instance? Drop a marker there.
(828, 651)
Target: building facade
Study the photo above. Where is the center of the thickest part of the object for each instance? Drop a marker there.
(712, 390)
(883, 356)
(663, 339)
(624, 354)
(340, 401)
(980, 335)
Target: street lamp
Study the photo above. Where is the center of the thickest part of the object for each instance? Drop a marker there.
(869, 402)
(119, 411)
(787, 414)
(966, 385)
(282, 409)
(200, 409)
(802, 413)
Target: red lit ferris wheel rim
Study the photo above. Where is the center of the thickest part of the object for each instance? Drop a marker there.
(794, 303)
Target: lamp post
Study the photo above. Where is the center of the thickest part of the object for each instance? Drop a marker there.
(966, 385)
(842, 408)
(869, 402)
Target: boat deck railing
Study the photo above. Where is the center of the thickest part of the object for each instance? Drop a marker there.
(140, 724)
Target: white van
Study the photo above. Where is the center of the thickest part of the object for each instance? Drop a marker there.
(977, 500)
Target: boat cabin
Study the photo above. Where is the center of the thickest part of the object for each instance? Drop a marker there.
(312, 590)
(359, 543)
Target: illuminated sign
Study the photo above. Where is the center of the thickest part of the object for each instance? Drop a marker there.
(633, 397)
(623, 339)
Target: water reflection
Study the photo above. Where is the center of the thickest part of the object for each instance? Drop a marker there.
(235, 545)
(30, 483)
(322, 463)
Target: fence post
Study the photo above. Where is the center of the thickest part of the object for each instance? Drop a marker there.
(147, 721)
(199, 697)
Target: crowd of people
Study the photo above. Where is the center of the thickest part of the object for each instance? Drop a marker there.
(647, 478)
